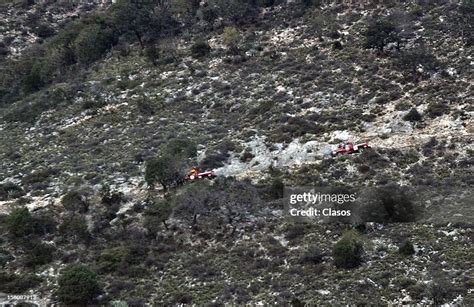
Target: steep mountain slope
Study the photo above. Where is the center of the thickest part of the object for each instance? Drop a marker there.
(270, 99)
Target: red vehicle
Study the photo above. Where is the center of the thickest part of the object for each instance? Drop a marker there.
(349, 148)
(196, 174)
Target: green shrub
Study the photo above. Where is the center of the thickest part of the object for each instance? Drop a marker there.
(128, 84)
(381, 32)
(181, 148)
(214, 160)
(39, 176)
(20, 223)
(110, 260)
(4, 50)
(348, 250)
(165, 170)
(157, 213)
(5, 257)
(387, 204)
(294, 231)
(416, 291)
(200, 48)
(152, 54)
(62, 45)
(74, 227)
(297, 127)
(406, 248)
(146, 107)
(193, 203)
(413, 115)
(235, 200)
(93, 103)
(17, 284)
(411, 60)
(77, 285)
(44, 223)
(121, 259)
(236, 12)
(188, 8)
(92, 43)
(313, 255)
(231, 39)
(247, 155)
(264, 107)
(276, 189)
(143, 20)
(39, 254)
(437, 109)
(402, 106)
(43, 30)
(464, 21)
(440, 290)
(74, 201)
(110, 197)
(9, 190)
(307, 3)
(29, 109)
(35, 78)
(403, 282)
(363, 168)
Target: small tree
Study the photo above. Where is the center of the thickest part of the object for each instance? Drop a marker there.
(276, 189)
(387, 204)
(18, 284)
(43, 30)
(75, 228)
(231, 38)
(348, 251)
(35, 79)
(165, 170)
(9, 190)
(74, 201)
(193, 202)
(131, 18)
(380, 33)
(418, 58)
(20, 223)
(406, 248)
(235, 200)
(157, 213)
(123, 260)
(77, 285)
(413, 115)
(144, 20)
(92, 43)
(110, 197)
(200, 48)
(39, 254)
(152, 53)
(312, 254)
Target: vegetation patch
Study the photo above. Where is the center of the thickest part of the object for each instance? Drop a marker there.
(348, 251)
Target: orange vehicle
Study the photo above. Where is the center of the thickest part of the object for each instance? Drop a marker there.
(195, 174)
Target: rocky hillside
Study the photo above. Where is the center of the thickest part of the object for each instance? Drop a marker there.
(260, 92)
